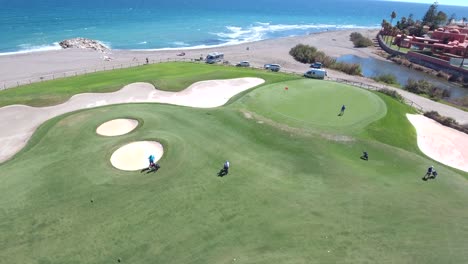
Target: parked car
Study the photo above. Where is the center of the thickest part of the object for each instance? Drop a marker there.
(316, 73)
(243, 64)
(316, 65)
(272, 67)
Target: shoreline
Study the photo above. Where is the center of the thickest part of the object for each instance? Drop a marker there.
(24, 66)
(55, 46)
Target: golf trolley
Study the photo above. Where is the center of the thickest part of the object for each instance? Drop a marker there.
(430, 175)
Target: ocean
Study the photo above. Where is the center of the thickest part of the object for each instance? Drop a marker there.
(31, 25)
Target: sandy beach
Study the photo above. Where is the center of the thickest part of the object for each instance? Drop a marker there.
(21, 67)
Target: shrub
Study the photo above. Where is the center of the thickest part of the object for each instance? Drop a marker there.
(455, 78)
(463, 101)
(348, 68)
(320, 56)
(308, 54)
(360, 41)
(402, 61)
(418, 67)
(425, 87)
(438, 93)
(391, 93)
(355, 35)
(418, 87)
(363, 42)
(386, 78)
(446, 121)
(303, 53)
(442, 74)
(327, 61)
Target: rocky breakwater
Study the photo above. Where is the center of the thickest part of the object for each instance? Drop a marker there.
(83, 43)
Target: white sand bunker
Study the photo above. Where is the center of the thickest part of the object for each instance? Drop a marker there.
(23, 120)
(117, 127)
(134, 156)
(441, 143)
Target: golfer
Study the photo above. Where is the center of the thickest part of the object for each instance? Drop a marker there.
(365, 156)
(343, 108)
(226, 167)
(429, 172)
(151, 161)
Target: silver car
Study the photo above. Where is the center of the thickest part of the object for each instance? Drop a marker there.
(272, 67)
(243, 64)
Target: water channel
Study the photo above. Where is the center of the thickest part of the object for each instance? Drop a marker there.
(372, 67)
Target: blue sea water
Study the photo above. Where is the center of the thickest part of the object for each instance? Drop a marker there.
(30, 25)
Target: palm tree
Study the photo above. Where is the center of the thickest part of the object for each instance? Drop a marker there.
(392, 16)
(395, 31)
(385, 26)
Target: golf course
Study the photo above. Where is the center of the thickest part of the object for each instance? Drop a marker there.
(297, 190)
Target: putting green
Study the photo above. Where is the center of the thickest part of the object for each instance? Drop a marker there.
(315, 103)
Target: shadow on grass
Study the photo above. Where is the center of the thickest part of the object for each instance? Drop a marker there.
(152, 169)
(223, 172)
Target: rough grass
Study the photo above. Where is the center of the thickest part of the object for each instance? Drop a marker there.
(290, 197)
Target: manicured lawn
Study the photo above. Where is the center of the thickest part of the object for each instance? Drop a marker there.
(315, 103)
(174, 76)
(295, 193)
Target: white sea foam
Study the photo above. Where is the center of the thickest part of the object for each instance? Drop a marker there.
(180, 43)
(259, 31)
(28, 48)
(142, 43)
(106, 44)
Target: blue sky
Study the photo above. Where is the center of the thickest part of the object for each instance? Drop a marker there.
(441, 2)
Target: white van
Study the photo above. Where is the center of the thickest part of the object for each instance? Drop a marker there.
(316, 73)
(214, 57)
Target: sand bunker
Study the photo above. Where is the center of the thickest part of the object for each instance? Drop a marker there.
(441, 143)
(117, 127)
(23, 120)
(134, 156)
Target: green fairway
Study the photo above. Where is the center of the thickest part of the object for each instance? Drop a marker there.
(297, 191)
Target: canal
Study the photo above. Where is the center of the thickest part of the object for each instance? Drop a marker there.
(372, 67)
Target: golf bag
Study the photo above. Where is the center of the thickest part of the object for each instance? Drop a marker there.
(154, 166)
(430, 175)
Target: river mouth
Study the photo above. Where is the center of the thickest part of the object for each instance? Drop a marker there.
(372, 67)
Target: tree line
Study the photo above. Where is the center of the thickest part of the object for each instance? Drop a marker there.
(432, 19)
